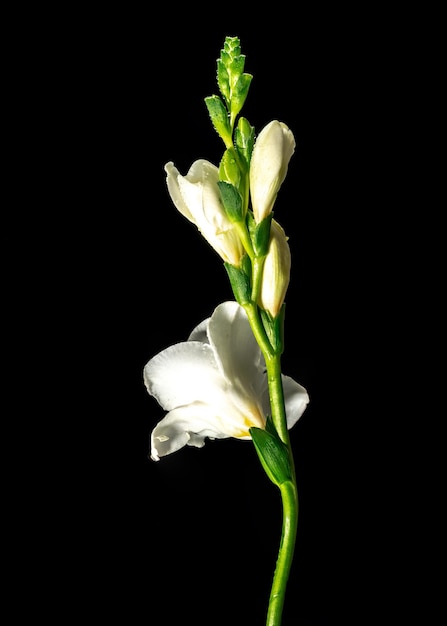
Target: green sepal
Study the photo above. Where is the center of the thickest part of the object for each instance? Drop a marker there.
(232, 201)
(273, 454)
(219, 118)
(260, 235)
(244, 139)
(240, 282)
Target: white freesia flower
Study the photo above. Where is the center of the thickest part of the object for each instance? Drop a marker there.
(214, 384)
(272, 152)
(197, 197)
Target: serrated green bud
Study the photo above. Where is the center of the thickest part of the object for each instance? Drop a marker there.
(233, 83)
(232, 46)
(236, 67)
(239, 94)
(219, 118)
(223, 81)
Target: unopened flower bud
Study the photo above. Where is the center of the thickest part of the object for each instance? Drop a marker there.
(276, 274)
(272, 152)
(198, 198)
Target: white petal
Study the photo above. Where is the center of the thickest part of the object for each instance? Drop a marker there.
(237, 353)
(296, 399)
(191, 194)
(184, 373)
(163, 443)
(190, 425)
(200, 332)
(216, 218)
(172, 181)
(200, 169)
(200, 193)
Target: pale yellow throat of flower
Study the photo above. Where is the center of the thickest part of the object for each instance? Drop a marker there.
(252, 417)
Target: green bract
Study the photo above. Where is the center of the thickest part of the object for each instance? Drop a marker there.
(273, 454)
(232, 201)
(219, 118)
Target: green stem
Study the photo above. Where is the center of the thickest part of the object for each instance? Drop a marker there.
(289, 496)
(288, 489)
(245, 238)
(273, 364)
(258, 330)
(258, 266)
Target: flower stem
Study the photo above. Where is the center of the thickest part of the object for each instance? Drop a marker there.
(276, 392)
(288, 489)
(259, 332)
(245, 238)
(289, 496)
(258, 266)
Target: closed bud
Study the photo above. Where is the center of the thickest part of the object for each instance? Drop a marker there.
(198, 198)
(276, 273)
(272, 152)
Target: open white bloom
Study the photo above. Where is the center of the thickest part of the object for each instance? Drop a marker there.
(197, 197)
(272, 152)
(214, 385)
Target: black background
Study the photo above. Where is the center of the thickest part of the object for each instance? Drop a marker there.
(195, 536)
